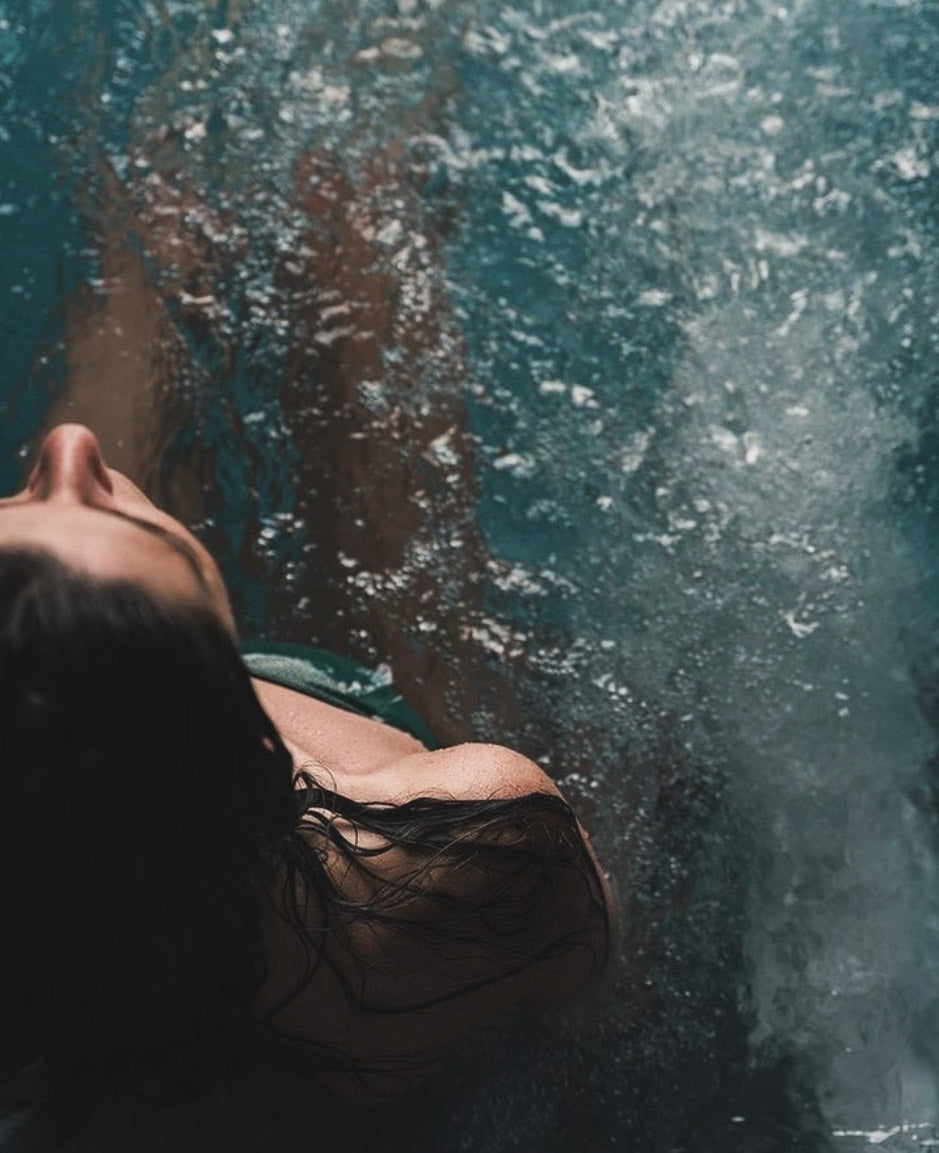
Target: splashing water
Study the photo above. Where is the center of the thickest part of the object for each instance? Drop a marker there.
(616, 324)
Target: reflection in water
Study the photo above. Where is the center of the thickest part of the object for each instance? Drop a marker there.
(574, 361)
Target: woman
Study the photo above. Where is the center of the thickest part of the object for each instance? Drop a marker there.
(200, 869)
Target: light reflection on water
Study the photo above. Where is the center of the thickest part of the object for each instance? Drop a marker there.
(576, 360)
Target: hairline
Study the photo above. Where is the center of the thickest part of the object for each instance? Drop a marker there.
(180, 547)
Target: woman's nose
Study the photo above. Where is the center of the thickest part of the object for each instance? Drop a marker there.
(70, 466)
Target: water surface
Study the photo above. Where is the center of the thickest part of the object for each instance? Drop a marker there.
(576, 362)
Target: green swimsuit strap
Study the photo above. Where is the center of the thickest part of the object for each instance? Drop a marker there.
(336, 680)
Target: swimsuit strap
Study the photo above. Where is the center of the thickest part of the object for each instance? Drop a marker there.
(336, 680)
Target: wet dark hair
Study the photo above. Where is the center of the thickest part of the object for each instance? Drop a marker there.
(142, 787)
(149, 821)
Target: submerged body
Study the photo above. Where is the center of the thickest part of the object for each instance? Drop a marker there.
(377, 901)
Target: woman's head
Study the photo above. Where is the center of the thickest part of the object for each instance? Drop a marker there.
(142, 791)
(95, 520)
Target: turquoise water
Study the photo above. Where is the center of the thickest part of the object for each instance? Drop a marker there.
(577, 363)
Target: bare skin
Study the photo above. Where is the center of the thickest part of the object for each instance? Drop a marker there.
(96, 520)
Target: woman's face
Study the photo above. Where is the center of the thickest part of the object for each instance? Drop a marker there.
(96, 520)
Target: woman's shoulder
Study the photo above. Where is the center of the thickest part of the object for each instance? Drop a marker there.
(472, 844)
(472, 771)
(473, 892)
(499, 797)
